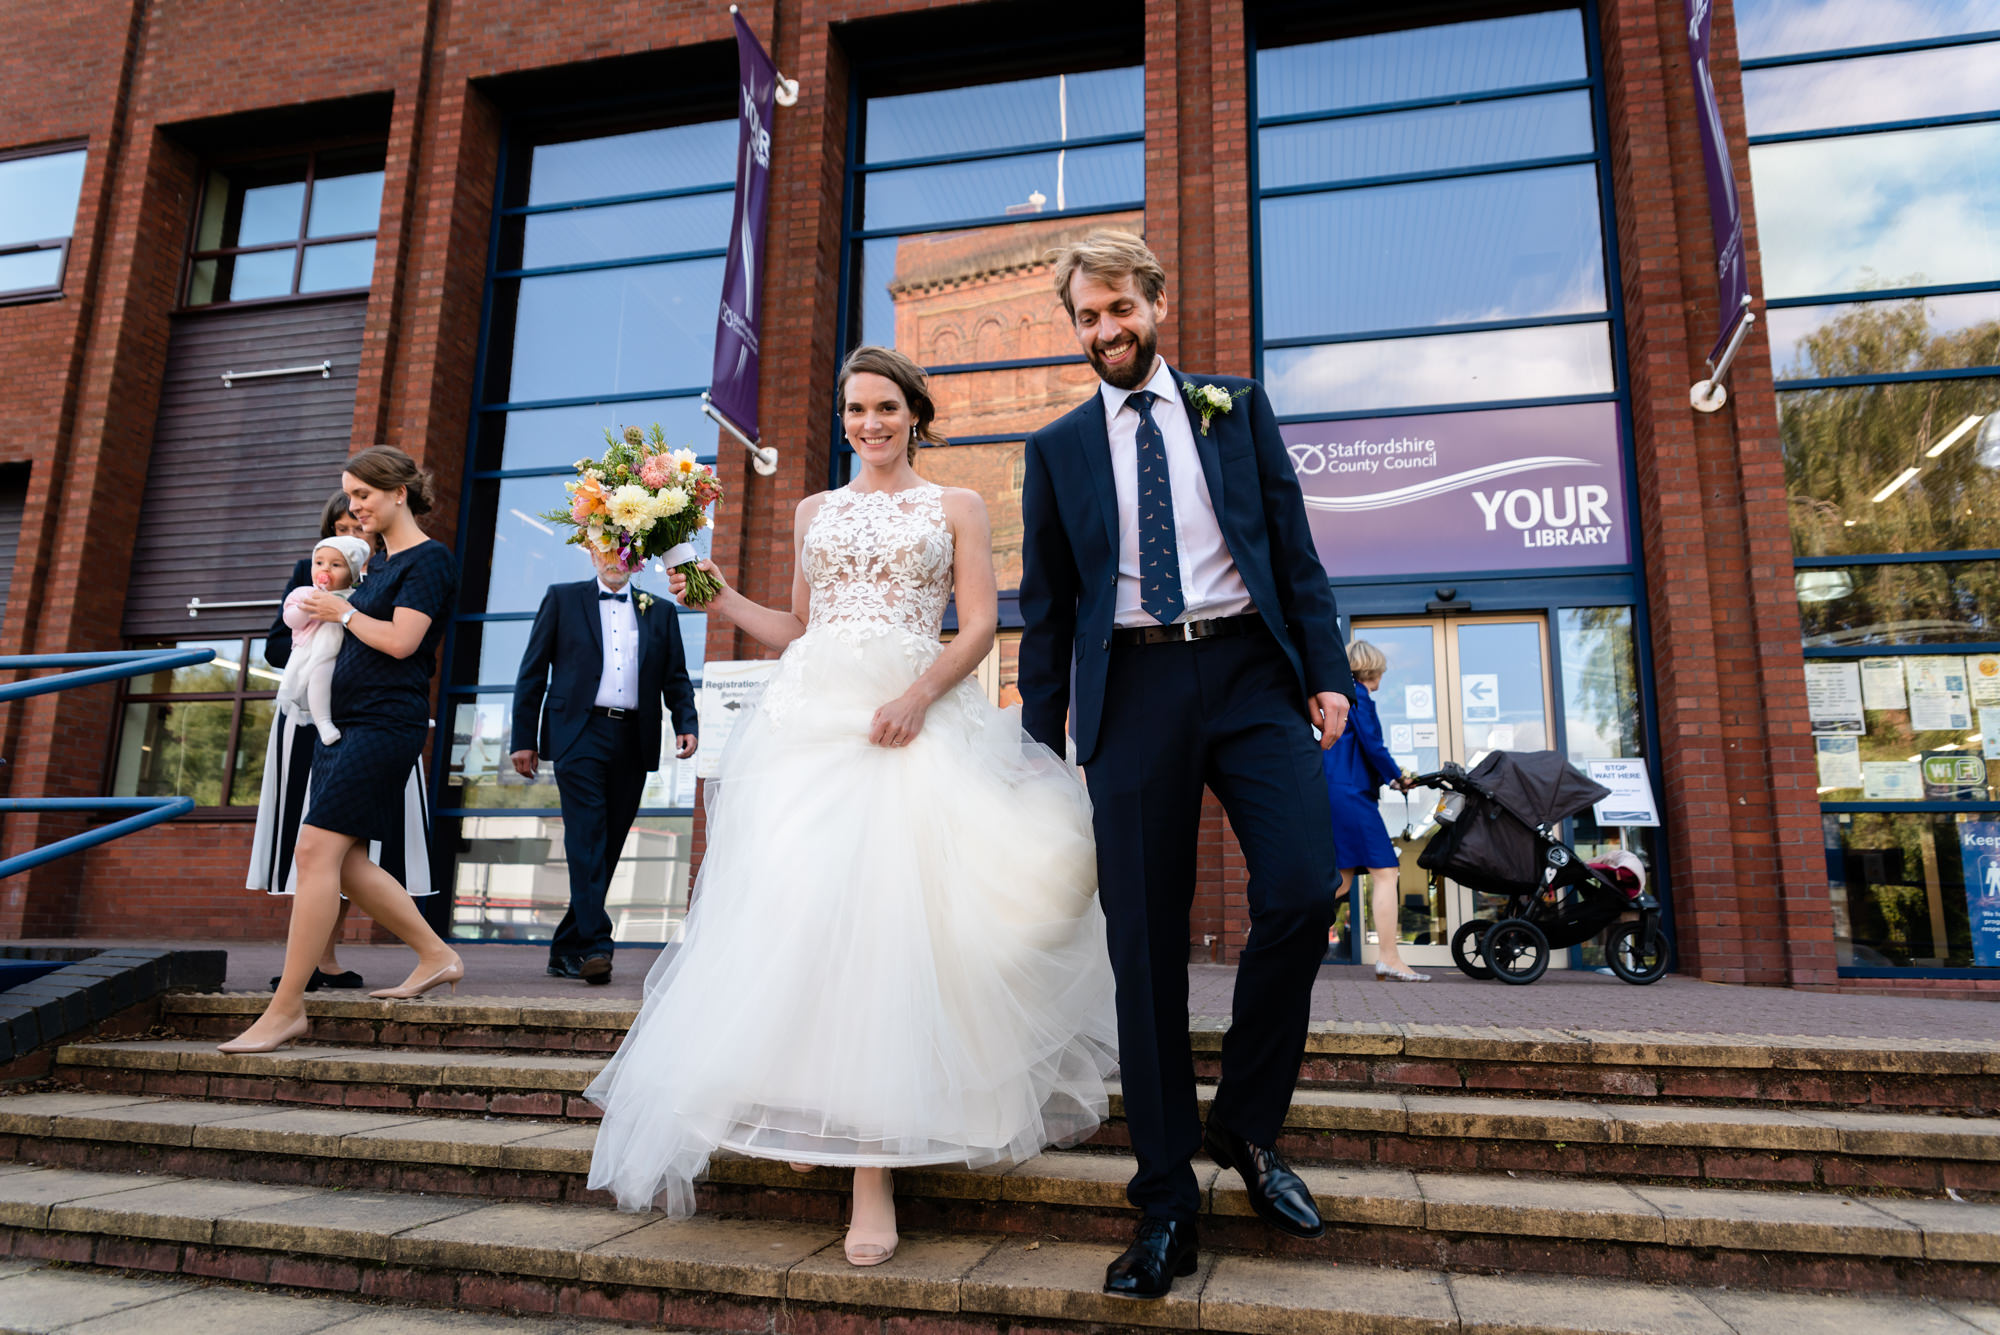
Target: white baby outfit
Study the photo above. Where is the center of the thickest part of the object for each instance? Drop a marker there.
(306, 691)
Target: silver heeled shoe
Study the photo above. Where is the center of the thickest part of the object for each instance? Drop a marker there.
(1400, 975)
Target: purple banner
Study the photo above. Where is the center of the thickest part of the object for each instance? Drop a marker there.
(1725, 213)
(733, 383)
(1502, 489)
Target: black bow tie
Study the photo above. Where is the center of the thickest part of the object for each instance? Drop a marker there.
(614, 597)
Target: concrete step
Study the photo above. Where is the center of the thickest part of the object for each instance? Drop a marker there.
(1764, 1239)
(1845, 1149)
(1934, 1074)
(38, 1297)
(719, 1273)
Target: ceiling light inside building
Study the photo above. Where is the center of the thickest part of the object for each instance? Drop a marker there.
(1822, 586)
(1902, 480)
(1957, 434)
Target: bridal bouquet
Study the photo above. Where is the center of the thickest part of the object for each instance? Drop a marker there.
(643, 502)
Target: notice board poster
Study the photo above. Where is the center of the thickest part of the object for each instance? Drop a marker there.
(728, 691)
(1979, 846)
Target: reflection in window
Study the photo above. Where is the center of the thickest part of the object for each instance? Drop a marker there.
(1906, 466)
(198, 731)
(1875, 90)
(1914, 602)
(38, 199)
(1417, 64)
(1554, 360)
(289, 226)
(611, 331)
(1059, 182)
(512, 879)
(1767, 28)
(1876, 337)
(553, 438)
(994, 472)
(1554, 125)
(1005, 115)
(1602, 718)
(1899, 891)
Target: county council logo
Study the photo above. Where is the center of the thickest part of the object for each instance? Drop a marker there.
(1574, 515)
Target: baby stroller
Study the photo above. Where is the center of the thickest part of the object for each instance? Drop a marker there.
(1497, 835)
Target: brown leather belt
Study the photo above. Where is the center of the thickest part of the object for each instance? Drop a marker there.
(1180, 632)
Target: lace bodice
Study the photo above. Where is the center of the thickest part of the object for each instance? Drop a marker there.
(880, 561)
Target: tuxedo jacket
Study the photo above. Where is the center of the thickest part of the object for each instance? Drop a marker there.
(1069, 581)
(564, 666)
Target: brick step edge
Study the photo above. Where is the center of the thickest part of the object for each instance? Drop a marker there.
(1399, 1127)
(89, 992)
(712, 1272)
(1388, 1215)
(1648, 1048)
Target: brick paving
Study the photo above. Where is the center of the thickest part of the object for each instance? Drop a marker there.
(1561, 1000)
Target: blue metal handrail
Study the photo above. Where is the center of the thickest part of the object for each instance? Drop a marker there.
(91, 670)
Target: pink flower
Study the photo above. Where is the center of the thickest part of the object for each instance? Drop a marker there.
(656, 470)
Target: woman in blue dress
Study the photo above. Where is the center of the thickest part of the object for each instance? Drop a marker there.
(1356, 766)
(381, 703)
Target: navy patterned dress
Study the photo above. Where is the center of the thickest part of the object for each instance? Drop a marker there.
(381, 704)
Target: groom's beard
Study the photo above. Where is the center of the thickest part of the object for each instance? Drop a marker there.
(1136, 369)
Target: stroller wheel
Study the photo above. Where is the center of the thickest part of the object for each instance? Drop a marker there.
(1637, 952)
(1465, 950)
(1516, 951)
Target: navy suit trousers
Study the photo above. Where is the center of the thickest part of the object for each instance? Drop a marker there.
(1227, 715)
(601, 778)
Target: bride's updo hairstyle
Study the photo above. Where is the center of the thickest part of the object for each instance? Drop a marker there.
(385, 468)
(907, 376)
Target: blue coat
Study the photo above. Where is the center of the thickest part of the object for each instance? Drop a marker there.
(565, 661)
(1359, 761)
(1069, 580)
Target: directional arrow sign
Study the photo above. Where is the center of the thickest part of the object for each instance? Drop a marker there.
(1479, 697)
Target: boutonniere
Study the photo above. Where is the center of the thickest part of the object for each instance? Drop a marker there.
(1208, 400)
(645, 603)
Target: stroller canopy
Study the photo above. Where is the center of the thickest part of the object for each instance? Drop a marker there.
(1538, 786)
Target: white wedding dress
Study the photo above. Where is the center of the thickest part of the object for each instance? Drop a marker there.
(894, 955)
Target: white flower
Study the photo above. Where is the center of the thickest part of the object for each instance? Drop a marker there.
(631, 507)
(1216, 397)
(684, 461)
(671, 501)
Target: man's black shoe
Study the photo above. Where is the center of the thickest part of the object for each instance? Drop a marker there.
(1162, 1249)
(1276, 1193)
(566, 968)
(595, 969)
(345, 978)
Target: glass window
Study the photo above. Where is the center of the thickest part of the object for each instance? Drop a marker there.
(1767, 28)
(1904, 208)
(1005, 115)
(1428, 139)
(1880, 337)
(198, 731)
(1873, 90)
(640, 162)
(1418, 64)
(554, 438)
(1546, 362)
(617, 231)
(1907, 466)
(1900, 893)
(608, 331)
(38, 201)
(1057, 182)
(512, 879)
(255, 218)
(1920, 737)
(1902, 602)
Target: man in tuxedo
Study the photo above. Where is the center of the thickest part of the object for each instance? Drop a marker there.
(605, 655)
(1170, 575)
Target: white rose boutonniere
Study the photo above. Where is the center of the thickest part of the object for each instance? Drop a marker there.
(1208, 400)
(645, 603)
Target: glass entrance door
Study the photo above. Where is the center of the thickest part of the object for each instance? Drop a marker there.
(1456, 688)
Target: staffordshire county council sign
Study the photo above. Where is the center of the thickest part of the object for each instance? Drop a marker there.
(1504, 489)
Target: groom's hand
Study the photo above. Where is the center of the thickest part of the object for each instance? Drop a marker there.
(1329, 714)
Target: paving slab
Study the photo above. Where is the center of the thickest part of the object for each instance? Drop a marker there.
(1904, 1135)
(1461, 1117)
(47, 1300)
(1346, 1110)
(205, 1311)
(1265, 1296)
(1064, 1281)
(1953, 1230)
(1823, 1314)
(1733, 1128)
(924, 1275)
(526, 1238)
(183, 1211)
(423, 1321)
(163, 1123)
(1344, 1195)
(1980, 1316)
(337, 1223)
(18, 1266)
(745, 1257)
(1063, 1177)
(1539, 1207)
(312, 1131)
(564, 1151)
(26, 1198)
(464, 1142)
(30, 1114)
(1552, 1305)
(1781, 1221)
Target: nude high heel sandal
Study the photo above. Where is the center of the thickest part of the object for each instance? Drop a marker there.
(869, 1246)
(449, 976)
(293, 1032)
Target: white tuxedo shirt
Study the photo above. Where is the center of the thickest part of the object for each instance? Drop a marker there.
(618, 686)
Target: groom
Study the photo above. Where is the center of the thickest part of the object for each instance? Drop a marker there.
(1169, 568)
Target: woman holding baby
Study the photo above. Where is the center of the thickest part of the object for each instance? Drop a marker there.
(378, 701)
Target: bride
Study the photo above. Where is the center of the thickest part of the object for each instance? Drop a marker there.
(894, 955)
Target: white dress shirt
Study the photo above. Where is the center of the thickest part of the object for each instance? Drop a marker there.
(618, 687)
(1209, 581)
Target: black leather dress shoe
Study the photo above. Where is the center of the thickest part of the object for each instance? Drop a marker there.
(345, 978)
(566, 968)
(1162, 1249)
(1276, 1193)
(595, 969)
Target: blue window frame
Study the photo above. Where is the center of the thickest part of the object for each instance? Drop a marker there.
(1874, 138)
(604, 272)
(953, 195)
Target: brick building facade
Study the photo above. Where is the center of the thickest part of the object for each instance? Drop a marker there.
(156, 91)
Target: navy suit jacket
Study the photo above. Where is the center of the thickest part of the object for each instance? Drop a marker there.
(1069, 581)
(565, 663)
(1360, 761)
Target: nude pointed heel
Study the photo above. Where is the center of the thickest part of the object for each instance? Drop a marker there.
(297, 1030)
(449, 976)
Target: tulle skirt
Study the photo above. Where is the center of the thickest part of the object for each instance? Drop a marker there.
(894, 956)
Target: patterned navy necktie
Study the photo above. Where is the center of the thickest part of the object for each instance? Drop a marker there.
(1159, 549)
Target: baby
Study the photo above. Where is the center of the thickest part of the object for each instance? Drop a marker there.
(306, 692)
